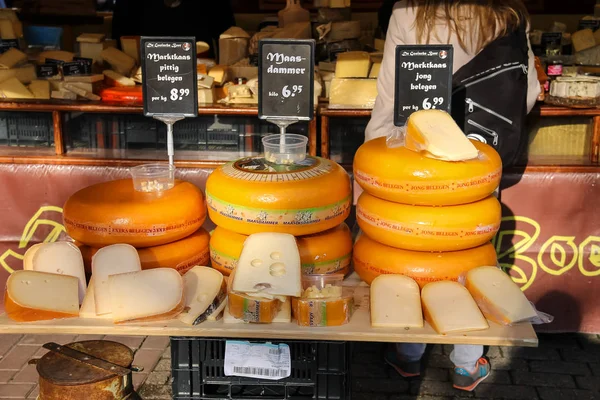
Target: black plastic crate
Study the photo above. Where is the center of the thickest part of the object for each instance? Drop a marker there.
(320, 370)
(26, 129)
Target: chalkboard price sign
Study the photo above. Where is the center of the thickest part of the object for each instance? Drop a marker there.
(169, 76)
(423, 80)
(286, 78)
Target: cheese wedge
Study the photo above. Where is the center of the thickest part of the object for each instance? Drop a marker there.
(353, 64)
(37, 296)
(498, 297)
(111, 260)
(144, 296)
(131, 47)
(220, 74)
(88, 307)
(449, 308)
(28, 257)
(59, 55)
(11, 58)
(112, 78)
(436, 133)
(40, 89)
(395, 302)
(13, 89)
(61, 258)
(269, 263)
(205, 291)
(119, 61)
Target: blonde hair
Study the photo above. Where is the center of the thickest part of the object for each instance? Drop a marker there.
(475, 22)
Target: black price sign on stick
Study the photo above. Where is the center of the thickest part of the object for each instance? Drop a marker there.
(170, 84)
(423, 80)
(286, 78)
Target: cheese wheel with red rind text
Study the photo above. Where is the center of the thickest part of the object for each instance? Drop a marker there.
(424, 228)
(404, 176)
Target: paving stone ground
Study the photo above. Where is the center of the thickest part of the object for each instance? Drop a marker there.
(563, 367)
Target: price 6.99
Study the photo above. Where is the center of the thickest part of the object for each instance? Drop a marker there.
(434, 103)
(179, 94)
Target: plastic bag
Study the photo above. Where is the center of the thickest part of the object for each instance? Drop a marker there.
(396, 138)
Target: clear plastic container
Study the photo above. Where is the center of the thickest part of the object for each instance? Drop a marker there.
(288, 148)
(153, 177)
(322, 286)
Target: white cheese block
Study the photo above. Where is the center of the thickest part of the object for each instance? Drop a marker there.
(61, 258)
(498, 297)
(352, 93)
(40, 89)
(583, 40)
(119, 61)
(88, 307)
(435, 132)
(449, 308)
(395, 302)
(11, 58)
(37, 296)
(12, 88)
(143, 296)
(353, 64)
(28, 257)
(111, 260)
(269, 263)
(205, 291)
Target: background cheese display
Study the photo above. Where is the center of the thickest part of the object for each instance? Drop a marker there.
(404, 176)
(180, 255)
(372, 259)
(424, 228)
(114, 212)
(250, 196)
(320, 253)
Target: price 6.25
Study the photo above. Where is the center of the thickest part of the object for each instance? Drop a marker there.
(179, 94)
(434, 103)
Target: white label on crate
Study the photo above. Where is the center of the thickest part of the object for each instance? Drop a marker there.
(257, 360)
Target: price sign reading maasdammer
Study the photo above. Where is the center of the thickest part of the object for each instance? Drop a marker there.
(423, 80)
(286, 77)
(170, 84)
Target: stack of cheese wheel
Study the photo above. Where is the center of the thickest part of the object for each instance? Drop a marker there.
(164, 226)
(427, 210)
(309, 200)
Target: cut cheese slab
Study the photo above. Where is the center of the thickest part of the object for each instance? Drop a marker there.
(269, 263)
(353, 64)
(219, 73)
(498, 297)
(395, 302)
(449, 308)
(119, 61)
(58, 55)
(12, 58)
(435, 132)
(28, 258)
(12, 88)
(112, 78)
(352, 93)
(88, 307)
(37, 296)
(205, 291)
(111, 260)
(144, 296)
(61, 258)
(40, 89)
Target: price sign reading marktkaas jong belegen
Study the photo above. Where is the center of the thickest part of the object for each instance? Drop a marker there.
(169, 76)
(423, 80)
(286, 79)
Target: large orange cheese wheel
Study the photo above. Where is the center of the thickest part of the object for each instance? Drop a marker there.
(320, 253)
(424, 228)
(250, 196)
(181, 255)
(113, 212)
(404, 176)
(372, 259)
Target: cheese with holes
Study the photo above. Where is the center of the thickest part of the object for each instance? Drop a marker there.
(404, 176)
(449, 308)
(29, 254)
(11, 58)
(435, 133)
(374, 73)
(59, 55)
(88, 307)
(205, 291)
(323, 312)
(13, 89)
(61, 258)
(114, 212)
(320, 253)
(112, 78)
(395, 302)
(131, 47)
(352, 93)
(425, 228)
(37, 296)
(145, 296)
(583, 40)
(40, 89)
(498, 297)
(371, 259)
(111, 260)
(270, 264)
(119, 61)
(353, 64)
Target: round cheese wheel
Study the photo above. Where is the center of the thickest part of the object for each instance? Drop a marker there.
(425, 228)
(320, 253)
(181, 255)
(372, 259)
(114, 212)
(250, 196)
(404, 176)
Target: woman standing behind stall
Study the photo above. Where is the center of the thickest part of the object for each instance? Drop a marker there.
(469, 26)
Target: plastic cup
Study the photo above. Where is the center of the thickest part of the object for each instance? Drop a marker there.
(285, 148)
(153, 177)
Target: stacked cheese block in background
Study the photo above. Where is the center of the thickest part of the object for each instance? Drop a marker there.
(354, 84)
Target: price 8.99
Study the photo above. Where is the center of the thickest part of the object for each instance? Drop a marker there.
(433, 103)
(179, 94)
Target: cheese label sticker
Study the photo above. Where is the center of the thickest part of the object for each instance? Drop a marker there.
(257, 360)
(223, 260)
